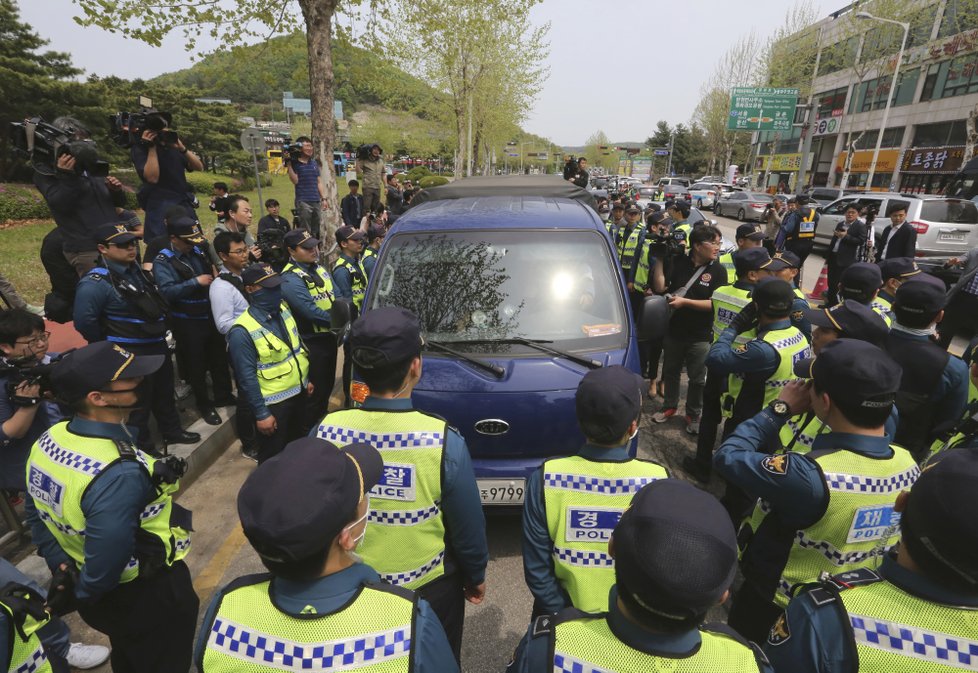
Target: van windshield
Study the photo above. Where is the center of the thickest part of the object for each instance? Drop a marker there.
(474, 289)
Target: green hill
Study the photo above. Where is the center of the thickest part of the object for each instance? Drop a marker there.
(362, 78)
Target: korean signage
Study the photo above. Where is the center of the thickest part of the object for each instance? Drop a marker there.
(941, 49)
(827, 126)
(933, 159)
(762, 109)
(863, 159)
(784, 163)
(641, 168)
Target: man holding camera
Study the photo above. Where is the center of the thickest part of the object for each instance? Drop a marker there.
(370, 173)
(102, 514)
(162, 160)
(304, 173)
(79, 201)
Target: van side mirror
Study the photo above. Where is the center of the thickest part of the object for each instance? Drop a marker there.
(654, 318)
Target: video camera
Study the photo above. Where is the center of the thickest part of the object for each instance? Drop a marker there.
(271, 242)
(43, 144)
(126, 128)
(665, 246)
(37, 375)
(291, 151)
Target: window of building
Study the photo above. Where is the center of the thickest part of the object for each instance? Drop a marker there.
(892, 137)
(829, 101)
(936, 135)
(839, 56)
(959, 16)
(881, 40)
(922, 26)
(956, 77)
(872, 94)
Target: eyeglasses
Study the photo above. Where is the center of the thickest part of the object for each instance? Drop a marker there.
(242, 251)
(41, 338)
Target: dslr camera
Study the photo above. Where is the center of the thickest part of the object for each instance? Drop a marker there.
(665, 246)
(43, 144)
(126, 128)
(37, 375)
(271, 242)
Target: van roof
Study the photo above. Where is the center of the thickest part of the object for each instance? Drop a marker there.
(506, 185)
(494, 212)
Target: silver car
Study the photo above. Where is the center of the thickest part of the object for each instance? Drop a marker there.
(745, 206)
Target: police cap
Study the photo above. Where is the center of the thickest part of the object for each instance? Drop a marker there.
(899, 267)
(113, 232)
(294, 504)
(750, 232)
(186, 228)
(939, 528)
(922, 295)
(260, 274)
(681, 207)
(633, 210)
(375, 231)
(773, 296)
(349, 234)
(751, 259)
(607, 401)
(852, 320)
(94, 366)
(617, 206)
(385, 336)
(675, 551)
(300, 238)
(655, 217)
(860, 281)
(776, 264)
(855, 372)
(791, 259)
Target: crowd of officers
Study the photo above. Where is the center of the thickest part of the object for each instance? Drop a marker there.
(849, 457)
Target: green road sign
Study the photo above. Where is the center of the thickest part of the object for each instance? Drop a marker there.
(762, 109)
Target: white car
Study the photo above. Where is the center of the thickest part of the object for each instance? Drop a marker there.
(705, 194)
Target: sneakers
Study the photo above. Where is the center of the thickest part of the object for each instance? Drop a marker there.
(664, 415)
(87, 656)
(693, 425)
(250, 452)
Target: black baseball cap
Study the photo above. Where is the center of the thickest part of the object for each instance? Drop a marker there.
(617, 206)
(633, 209)
(751, 259)
(681, 206)
(607, 401)
(899, 267)
(375, 231)
(773, 296)
(750, 231)
(260, 274)
(776, 264)
(349, 233)
(186, 228)
(675, 551)
(860, 281)
(852, 319)
(385, 336)
(300, 238)
(113, 232)
(791, 259)
(853, 371)
(922, 294)
(939, 528)
(294, 504)
(92, 367)
(655, 217)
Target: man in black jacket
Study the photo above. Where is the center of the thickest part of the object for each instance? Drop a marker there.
(848, 247)
(900, 238)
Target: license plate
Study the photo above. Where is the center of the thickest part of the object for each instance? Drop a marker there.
(502, 491)
(950, 236)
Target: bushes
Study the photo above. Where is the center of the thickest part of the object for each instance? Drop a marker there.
(21, 202)
(416, 174)
(432, 181)
(202, 182)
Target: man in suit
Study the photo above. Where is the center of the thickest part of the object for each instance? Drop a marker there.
(962, 301)
(847, 248)
(900, 238)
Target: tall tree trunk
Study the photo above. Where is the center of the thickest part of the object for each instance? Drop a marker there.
(476, 148)
(318, 15)
(851, 151)
(460, 159)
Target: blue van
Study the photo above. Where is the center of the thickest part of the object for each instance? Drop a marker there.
(519, 296)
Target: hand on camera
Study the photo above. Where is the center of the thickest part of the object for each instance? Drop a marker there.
(66, 163)
(148, 137)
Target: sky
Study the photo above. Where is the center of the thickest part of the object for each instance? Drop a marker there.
(617, 66)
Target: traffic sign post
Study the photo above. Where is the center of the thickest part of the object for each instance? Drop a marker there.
(253, 140)
(762, 109)
(660, 153)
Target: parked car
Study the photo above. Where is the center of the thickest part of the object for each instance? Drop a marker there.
(705, 194)
(823, 196)
(833, 213)
(745, 206)
(685, 182)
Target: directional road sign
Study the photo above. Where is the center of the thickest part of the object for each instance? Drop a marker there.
(660, 153)
(762, 109)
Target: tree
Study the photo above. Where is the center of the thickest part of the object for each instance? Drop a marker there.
(602, 158)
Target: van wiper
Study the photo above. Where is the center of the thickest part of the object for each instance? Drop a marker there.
(488, 366)
(538, 345)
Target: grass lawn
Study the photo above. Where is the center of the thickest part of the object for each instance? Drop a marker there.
(20, 243)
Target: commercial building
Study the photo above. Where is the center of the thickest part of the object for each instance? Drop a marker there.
(923, 144)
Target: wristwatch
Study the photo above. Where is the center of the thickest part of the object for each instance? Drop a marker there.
(780, 408)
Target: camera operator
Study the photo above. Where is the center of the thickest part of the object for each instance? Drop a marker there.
(579, 176)
(162, 160)
(370, 173)
(304, 173)
(79, 202)
(689, 287)
(774, 212)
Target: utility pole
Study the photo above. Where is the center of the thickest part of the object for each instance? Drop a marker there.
(672, 144)
(809, 126)
(468, 151)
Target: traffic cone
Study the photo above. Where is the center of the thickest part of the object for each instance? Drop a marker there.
(821, 285)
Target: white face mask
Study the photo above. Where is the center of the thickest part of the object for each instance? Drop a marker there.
(357, 541)
(634, 434)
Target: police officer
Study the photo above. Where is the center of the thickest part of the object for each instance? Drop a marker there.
(797, 234)
(964, 433)
(351, 283)
(116, 301)
(747, 236)
(628, 240)
(678, 211)
(308, 290)
(806, 521)
(103, 517)
(617, 219)
(305, 513)
(565, 519)
(786, 266)
(375, 238)
(846, 320)
(917, 611)
(861, 282)
(894, 271)
(934, 387)
(270, 362)
(184, 272)
(22, 616)
(426, 531)
(675, 556)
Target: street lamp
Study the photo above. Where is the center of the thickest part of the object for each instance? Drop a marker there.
(892, 92)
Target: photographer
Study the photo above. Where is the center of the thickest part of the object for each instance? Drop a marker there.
(774, 212)
(370, 173)
(579, 176)
(690, 285)
(162, 161)
(79, 202)
(304, 173)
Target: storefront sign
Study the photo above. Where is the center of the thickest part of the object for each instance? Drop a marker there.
(827, 126)
(863, 159)
(946, 159)
(941, 49)
(784, 162)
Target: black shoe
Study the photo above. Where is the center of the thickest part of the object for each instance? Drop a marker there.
(229, 401)
(696, 470)
(250, 452)
(210, 416)
(183, 438)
